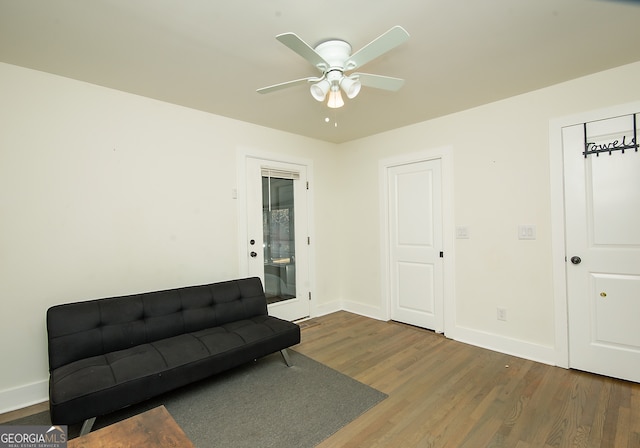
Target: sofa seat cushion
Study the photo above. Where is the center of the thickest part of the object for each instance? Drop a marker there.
(110, 371)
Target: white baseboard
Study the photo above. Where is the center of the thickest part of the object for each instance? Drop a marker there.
(327, 308)
(373, 312)
(502, 344)
(24, 396)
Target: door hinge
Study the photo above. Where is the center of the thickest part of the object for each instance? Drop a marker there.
(308, 241)
(441, 254)
(307, 185)
(309, 295)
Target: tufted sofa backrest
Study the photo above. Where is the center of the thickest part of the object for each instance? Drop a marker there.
(85, 329)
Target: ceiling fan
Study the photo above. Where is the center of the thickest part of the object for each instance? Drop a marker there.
(333, 59)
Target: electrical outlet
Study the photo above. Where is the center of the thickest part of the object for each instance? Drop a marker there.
(502, 314)
(462, 232)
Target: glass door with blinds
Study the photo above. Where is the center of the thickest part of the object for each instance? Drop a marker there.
(278, 241)
(278, 235)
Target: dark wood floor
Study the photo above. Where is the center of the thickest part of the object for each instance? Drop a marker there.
(447, 394)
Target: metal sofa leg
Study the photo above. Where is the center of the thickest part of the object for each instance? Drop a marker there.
(87, 425)
(285, 356)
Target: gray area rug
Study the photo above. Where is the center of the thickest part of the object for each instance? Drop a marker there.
(259, 405)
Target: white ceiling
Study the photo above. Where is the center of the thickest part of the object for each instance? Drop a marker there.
(212, 55)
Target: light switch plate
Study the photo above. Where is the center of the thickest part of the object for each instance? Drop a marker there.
(526, 232)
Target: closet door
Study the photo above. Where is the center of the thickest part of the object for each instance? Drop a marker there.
(415, 243)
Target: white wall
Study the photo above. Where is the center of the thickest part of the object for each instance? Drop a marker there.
(105, 193)
(501, 179)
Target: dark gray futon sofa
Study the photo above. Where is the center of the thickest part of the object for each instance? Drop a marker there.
(106, 354)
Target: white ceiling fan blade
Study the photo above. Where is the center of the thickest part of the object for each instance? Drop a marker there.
(386, 42)
(284, 85)
(292, 41)
(379, 81)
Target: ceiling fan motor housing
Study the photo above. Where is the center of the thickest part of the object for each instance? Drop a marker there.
(335, 52)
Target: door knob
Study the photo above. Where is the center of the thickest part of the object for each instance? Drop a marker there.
(576, 260)
(253, 254)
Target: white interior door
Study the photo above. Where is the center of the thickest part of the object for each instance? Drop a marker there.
(602, 216)
(415, 242)
(277, 235)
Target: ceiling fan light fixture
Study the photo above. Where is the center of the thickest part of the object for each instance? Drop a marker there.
(350, 86)
(335, 99)
(319, 90)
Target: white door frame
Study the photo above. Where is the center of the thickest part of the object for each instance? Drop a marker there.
(445, 308)
(240, 194)
(558, 243)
